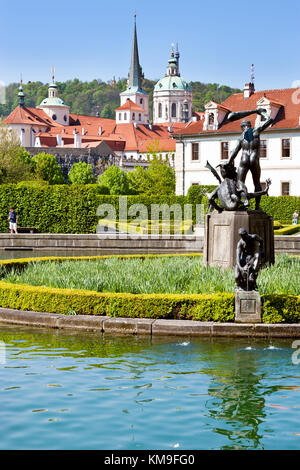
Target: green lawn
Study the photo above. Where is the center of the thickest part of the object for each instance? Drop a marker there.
(155, 275)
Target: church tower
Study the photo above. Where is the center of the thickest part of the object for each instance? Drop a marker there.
(172, 96)
(134, 100)
(54, 106)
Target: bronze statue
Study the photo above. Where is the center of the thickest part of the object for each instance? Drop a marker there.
(249, 253)
(232, 194)
(249, 142)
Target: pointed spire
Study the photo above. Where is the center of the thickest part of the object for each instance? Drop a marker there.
(177, 55)
(135, 75)
(21, 96)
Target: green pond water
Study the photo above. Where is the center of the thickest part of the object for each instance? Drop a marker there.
(62, 390)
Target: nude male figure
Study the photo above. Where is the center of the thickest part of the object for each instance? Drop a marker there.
(249, 143)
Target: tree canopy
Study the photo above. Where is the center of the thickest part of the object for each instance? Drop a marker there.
(100, 97)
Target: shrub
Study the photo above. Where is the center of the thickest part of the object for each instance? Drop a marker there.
(47, 169)
(81, 173)
(115, 179)
(196, 192)
(289, 230)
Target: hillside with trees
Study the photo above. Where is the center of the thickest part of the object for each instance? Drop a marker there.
(94, 97)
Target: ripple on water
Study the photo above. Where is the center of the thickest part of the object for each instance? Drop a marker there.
(162, 394)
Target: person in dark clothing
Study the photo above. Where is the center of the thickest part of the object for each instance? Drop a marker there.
(13, 219)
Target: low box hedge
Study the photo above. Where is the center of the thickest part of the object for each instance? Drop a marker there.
(217, 307)
(289, 230)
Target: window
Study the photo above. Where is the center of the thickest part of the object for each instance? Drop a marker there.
(133, 116)
(54, 117)
(285, 189)
(140, 117)
(65, 118)
(125, 116)
(285, 148)
(211, 119)
(224, 150)
(141, 101)
(173, 110)
(263, 149)
(120, 117)
(159, 110)
(195, 151)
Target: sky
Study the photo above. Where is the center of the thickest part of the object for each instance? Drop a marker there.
(218, 40)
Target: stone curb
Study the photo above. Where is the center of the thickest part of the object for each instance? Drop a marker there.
(144, 326)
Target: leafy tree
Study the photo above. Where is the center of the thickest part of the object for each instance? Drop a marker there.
(81, 173)
(97, 96)
(15, 162)
(107, 112)
(158, 178)
(115, 179)
(47, 169)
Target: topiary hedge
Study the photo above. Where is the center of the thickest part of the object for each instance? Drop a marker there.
(72, 208)
(218, 307)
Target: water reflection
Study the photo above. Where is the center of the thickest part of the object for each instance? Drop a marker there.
(143, 392)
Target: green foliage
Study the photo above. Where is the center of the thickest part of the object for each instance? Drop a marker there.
(115, 179)
(47, 169)
(107, 112)
(98, 96)
(81, 173)
(281, 208)
(196, 192)
(289, 230)
(15, 162)
(217, 307)
(157, 179)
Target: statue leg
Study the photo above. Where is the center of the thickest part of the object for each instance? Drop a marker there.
(255, 170)
(212, 202)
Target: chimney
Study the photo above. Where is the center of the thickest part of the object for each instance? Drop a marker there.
(248, 90)
(77, 141)
(100, 130)
(82, 131)
(58, 140)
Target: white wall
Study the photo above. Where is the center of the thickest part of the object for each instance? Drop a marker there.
(275, 167)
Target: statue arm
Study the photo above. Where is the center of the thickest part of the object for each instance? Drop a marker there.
(235, 151)
(263, 124)
(239, 115)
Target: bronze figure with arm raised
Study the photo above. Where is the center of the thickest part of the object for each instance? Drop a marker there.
(249, 143)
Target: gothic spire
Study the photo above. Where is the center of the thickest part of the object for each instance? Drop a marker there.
(135, 75)
(21, 96)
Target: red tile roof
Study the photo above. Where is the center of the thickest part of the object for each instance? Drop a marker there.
(287, 117)
(24, 115)
(131, 106)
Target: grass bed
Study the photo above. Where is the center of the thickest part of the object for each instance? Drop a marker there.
(162, 275)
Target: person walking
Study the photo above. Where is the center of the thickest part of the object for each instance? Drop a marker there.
(13, 219)
(295, 217)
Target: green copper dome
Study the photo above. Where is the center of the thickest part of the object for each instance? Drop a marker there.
(52, 102)
(172, 83)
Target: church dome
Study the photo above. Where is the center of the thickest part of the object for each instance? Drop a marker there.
(53, 101)
(172, 83)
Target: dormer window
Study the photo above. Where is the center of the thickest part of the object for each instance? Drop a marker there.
(211, 119)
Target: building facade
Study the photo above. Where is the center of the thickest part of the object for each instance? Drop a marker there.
(212, 139)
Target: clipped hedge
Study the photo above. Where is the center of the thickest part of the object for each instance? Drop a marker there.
(289, 230)
(72, 208)
(217, 307)
(203, 307)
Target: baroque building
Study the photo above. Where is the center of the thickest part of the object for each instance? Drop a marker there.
(172, 96)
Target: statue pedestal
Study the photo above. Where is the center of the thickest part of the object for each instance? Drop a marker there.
(247, 306)
(221, 236)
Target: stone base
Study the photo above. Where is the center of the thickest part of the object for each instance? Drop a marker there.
(247, 306)
(221, 236)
